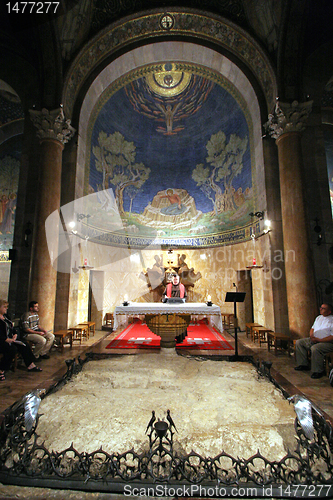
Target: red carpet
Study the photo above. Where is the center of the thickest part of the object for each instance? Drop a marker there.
(138, 336)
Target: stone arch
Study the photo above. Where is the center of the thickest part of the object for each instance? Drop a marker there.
(210, 31)
(134, 42)
(186, 52)
(218, 45)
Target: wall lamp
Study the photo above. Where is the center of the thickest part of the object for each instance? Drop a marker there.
(268, 226)
(27, 233)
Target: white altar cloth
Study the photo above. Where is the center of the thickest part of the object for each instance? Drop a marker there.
(192, 308)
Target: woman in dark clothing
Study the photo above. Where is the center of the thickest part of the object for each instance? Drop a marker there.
(9, 345)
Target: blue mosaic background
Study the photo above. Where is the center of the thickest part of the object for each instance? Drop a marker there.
(10, 155)
(172, 158)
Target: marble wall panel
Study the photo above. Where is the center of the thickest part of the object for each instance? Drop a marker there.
(218, 268)
(4, 279)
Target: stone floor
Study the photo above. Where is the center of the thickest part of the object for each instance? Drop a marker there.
(20, 382)
(319, 391)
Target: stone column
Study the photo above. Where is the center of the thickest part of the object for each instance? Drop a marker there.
(97, 279)
(278, 273)
(286, 125)
(53, 131)
(66, 306)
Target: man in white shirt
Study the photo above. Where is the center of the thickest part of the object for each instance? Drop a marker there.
(319, 343)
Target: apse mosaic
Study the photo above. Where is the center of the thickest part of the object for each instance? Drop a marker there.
(9, 175)
(170, 160)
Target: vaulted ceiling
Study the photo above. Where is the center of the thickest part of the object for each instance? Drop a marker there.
(289, 31)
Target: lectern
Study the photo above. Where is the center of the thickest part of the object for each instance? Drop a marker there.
(235, 297)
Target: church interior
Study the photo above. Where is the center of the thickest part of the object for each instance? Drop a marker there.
(147, 138)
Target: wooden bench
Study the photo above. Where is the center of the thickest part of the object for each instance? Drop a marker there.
(328, 362)
(108, 325)
(249, 327)
(227, 318)
(279, 341)
(18, 356)
(259, 332)
(85, 330)
(80, 331)
(91, 325)
(62, 334)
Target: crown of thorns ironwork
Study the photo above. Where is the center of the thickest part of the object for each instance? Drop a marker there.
(24, 459)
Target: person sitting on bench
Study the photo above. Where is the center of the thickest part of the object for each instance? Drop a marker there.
(10, 345)
(318, 344)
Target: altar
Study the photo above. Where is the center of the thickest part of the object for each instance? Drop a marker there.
(169, 320)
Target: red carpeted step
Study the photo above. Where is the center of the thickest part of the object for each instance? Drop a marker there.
(138, 336)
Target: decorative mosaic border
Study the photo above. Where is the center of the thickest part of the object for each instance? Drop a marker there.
(215, 30)
(123, 240)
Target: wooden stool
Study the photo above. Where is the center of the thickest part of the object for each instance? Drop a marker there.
(14, 362)
(108, 319)
(85, 330)
(62, 334)
(248, 328)
(259, 332)
(328, 362)
(78, 332)
(227, 318)
(91, 326)
(276, 340)
(18, 356)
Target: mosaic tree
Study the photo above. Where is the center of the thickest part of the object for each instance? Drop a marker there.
(115, 158)
(226, 162)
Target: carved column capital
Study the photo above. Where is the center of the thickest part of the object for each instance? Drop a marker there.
(52, 125)
(288, 118)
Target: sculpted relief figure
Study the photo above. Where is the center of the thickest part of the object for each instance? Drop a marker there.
(187, 276)
(158, 276)
(156, 273)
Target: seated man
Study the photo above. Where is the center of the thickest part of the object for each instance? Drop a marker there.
(175, 289)
(319, 343)
(33, 332)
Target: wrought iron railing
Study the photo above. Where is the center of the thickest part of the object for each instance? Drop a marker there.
(160, 470)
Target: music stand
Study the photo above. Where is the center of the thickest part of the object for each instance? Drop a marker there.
(235, 297)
